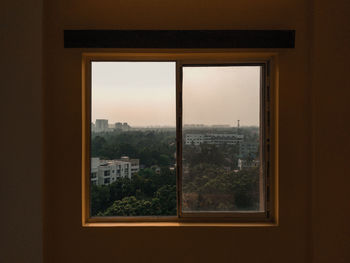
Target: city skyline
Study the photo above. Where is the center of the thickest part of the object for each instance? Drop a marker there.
(227, 125)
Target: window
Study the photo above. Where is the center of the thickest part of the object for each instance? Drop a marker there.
(215, 99)
(106, 180)
(190, 135)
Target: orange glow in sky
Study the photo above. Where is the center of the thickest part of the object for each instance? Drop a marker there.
(143, 93)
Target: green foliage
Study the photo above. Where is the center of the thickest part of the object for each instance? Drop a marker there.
(216, 155)
(151, 147)
(163, 203)
(157, 192)
(210, 181)
(100, 198)
(245, 186)
(167, 199)
(211, 188)
(130, 206)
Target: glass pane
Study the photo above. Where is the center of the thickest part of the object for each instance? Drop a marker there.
(221, 139)
(133, 139)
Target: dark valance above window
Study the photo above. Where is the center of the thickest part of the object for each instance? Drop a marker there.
(179, 38)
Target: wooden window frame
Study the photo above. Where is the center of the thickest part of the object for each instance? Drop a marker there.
(268, 139)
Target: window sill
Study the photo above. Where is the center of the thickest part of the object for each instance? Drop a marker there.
(179, 224)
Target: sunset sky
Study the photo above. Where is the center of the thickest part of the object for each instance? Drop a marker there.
(143, 94)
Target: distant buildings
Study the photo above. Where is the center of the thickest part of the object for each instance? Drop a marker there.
(102, 125)
(200, 126)
(122, 126)
(247, 149)
(213, 138)
(104, 172)
(193, 126)
(220, 126)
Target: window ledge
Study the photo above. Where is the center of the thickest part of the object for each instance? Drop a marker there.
(179, 224)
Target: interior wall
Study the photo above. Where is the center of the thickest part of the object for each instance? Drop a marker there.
(65, 240)
(21, 131)
(331, 129)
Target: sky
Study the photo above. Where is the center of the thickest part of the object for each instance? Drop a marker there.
(143, 94)
(221, 95)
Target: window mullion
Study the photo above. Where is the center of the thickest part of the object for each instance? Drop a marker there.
(179, 136)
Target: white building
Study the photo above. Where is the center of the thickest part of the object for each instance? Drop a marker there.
(105, 172)
(248, 148)
(213, 138)
(244, 164)
(95, 162)
(194, 139)
(135, 164)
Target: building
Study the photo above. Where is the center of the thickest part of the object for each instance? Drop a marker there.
(118, 125)
(126, 126)
(134, 164)
(221, 126)
(244, 164)
(101, 125)
(248, 149)
(104, 172)
(95, 162)
(122, 126)
(213, 138)
(194, 139)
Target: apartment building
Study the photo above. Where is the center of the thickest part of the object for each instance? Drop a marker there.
(134, 164)
(105, 172)
(213, 138)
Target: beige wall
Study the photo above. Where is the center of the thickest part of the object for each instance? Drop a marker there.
(21, 131)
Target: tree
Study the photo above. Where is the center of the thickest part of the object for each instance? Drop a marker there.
(130, 206)
(167, 199)
(246, 189)
(100, 198)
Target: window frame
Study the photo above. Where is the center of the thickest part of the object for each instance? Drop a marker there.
(268, 138)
